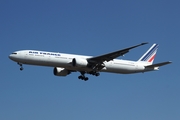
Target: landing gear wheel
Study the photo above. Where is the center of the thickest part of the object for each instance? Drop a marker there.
(94, 73)
(80, 77)
(21, 68)
(86, 78)
(97, 74)
(83, 78)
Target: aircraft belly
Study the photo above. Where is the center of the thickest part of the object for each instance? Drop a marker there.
(123, 68)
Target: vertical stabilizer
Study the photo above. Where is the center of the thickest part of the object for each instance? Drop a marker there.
(150, 54)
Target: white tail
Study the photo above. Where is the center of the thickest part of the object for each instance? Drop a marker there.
(150, 54)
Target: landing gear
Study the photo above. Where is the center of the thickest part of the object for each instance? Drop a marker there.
(97, 74)
(21, 68)
(20, 64)
(94, 73)
(83, 77)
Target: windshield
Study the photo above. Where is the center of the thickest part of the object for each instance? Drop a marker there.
(14, 53)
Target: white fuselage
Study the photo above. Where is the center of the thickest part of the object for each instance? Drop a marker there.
(54, 59)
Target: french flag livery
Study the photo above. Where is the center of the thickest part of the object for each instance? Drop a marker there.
(150, 54)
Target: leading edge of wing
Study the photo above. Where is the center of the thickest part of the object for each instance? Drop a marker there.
(113, 55)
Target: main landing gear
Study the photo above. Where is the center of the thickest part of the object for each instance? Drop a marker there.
(94, 73)
(83, 77)
(20, 64)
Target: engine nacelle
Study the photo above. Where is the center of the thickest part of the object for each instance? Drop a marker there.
(61, 71)
(79, 62)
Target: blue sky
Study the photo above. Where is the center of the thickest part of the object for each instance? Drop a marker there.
(91, 27)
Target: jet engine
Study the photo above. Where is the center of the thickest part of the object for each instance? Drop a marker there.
(79, 62)
(61, 71)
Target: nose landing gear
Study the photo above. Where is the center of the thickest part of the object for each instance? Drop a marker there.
(21, 67)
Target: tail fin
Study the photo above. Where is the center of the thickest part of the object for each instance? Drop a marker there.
(150, 54)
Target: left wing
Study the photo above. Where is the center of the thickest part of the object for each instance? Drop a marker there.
(96, 63)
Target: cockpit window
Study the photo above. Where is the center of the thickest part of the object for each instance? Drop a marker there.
(14, 53)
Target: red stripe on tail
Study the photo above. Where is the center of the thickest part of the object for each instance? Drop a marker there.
(152, 58)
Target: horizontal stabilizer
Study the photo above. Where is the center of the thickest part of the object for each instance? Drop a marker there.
(158, 64)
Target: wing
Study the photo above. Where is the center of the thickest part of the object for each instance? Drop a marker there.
(112, 55)
(96, 63)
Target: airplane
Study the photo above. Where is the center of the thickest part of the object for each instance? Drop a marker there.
(64, 64)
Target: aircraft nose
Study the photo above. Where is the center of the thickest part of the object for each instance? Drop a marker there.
(10, 56)
(13, 55)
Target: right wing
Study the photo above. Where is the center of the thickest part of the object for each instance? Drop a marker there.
(96, 63)
(112, 55)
